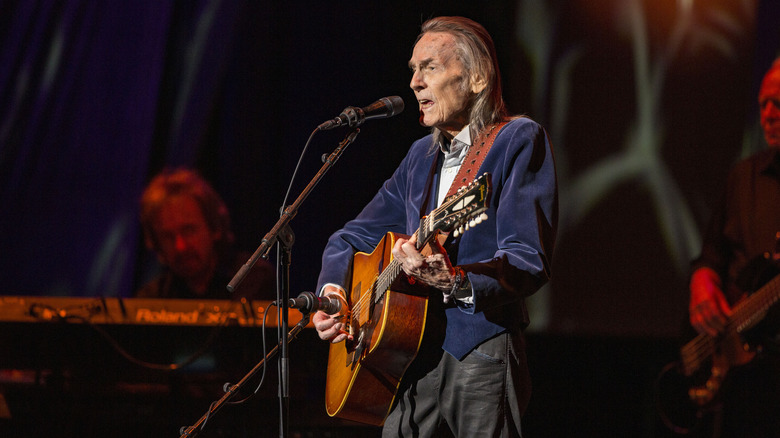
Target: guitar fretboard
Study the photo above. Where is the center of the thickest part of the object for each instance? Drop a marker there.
(387, 277)
(745, 315)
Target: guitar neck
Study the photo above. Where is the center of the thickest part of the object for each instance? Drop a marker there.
(461, 210)
(752, 309)
(391, 272)
(745, 315)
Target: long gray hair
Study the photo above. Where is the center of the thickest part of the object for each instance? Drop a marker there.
(474, 47)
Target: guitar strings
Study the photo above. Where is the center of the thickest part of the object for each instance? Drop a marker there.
(393, 268)
(384, 279)
(695, 352)
(391, 271)
(743, 316)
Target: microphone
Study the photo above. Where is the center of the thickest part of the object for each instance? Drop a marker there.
(352, 116)
(307, 302)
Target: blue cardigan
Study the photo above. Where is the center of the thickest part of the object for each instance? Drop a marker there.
(507, 257)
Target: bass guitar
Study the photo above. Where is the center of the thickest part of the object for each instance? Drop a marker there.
(363, 375)
(706, 360)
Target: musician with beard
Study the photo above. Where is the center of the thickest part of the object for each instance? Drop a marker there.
(187, 224)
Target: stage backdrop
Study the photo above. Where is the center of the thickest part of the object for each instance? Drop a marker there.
(648, 102)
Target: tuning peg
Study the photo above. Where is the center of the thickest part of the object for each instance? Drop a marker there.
(483, 216)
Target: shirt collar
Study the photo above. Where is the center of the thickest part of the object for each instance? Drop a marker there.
(461, 140)
(455, 152)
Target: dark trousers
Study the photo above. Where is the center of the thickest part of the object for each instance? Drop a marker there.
(484, 394)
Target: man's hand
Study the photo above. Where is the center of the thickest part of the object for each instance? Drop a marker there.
(708, 307)
(331, 327)
(434, 270)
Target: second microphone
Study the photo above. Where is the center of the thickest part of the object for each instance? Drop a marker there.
(308, 302)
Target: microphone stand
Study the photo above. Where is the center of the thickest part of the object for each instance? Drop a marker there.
(284, 252)
(290, 212)
(192, 431)
(280, 233)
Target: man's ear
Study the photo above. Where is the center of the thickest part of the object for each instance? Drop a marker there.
(478, 83)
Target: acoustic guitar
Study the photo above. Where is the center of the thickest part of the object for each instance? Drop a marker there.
(363, 375)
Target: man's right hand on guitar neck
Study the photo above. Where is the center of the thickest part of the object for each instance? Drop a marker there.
(708, 308)
(332, 327)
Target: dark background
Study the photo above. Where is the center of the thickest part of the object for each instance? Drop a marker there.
(647, 104)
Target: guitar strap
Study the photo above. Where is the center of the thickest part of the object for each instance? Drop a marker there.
(475, 156)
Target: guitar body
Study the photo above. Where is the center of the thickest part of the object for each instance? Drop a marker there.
(363, 375)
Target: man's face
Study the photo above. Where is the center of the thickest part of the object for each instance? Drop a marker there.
(185, 241)
(769, 104)
(440, 83)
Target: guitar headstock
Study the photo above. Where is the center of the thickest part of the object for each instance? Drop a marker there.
(459, 212)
